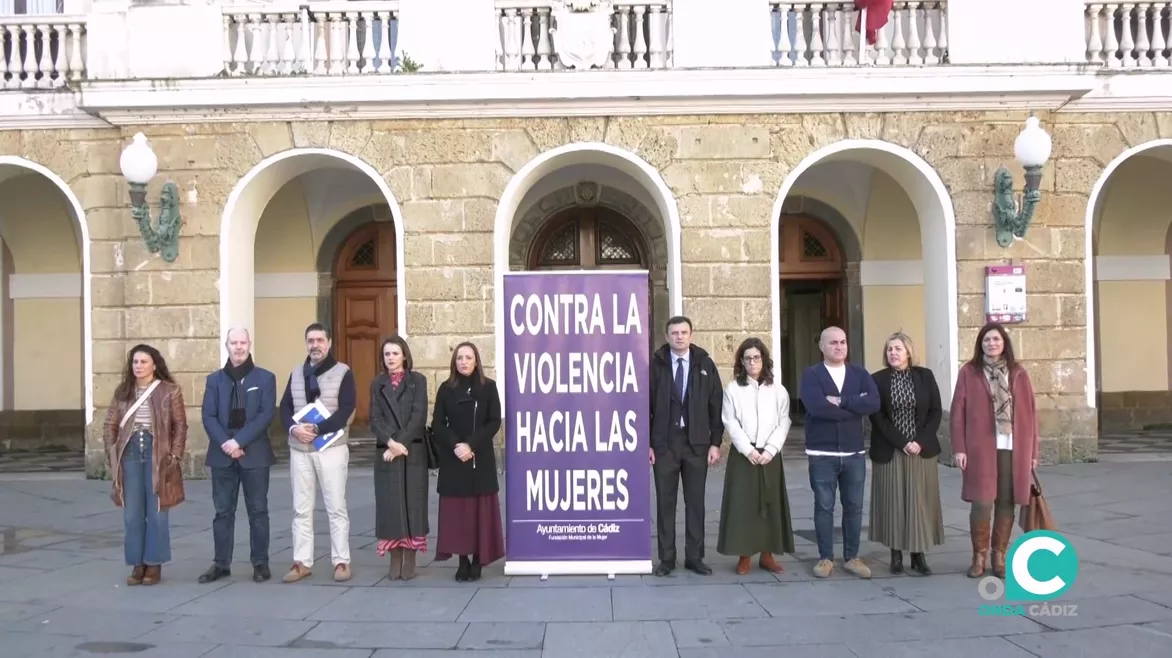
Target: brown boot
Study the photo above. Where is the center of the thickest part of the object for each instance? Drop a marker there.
(396, 564)
(979, 534)
(152, 575)
(744, 564)
(769, 564)
(1002, 531)
(136, 574)
(408, 564)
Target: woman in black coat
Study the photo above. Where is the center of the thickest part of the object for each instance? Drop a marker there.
(466, 418)
(398, 415)
(906, 514)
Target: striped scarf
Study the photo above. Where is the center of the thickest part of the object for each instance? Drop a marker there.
(997, 376)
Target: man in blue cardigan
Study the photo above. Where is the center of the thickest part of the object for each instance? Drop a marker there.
(837, 396)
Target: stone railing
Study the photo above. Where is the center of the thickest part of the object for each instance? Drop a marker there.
(319, 38)
(640, 31)
(821, 34)
(1129, 34)
(41, 52)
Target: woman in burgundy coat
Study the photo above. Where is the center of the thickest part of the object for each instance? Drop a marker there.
(994, 442)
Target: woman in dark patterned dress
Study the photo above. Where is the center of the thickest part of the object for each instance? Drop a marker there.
(906, 514)
(467, 417)
(398, 414)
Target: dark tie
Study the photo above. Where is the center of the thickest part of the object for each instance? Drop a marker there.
(680, 378)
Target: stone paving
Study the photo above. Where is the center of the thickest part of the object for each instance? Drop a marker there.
(62, 590)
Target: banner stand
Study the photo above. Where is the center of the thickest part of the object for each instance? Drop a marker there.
(576, 372)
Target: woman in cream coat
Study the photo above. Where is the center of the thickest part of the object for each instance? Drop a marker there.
(754, 515)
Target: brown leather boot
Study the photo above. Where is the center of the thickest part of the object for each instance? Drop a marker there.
(396, 571)
(136, 574)
(979, 533)
(1002, 531)
(744, 564)
(408, 564)
(152, 575)
(770, 564)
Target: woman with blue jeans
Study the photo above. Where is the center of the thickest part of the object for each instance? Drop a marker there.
(145, 437)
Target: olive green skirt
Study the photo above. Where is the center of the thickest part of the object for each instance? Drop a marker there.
(905, 504)
(754, 515)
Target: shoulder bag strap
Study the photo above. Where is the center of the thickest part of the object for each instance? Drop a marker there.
(138, 403)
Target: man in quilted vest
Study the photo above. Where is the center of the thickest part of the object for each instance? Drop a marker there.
(316, 455)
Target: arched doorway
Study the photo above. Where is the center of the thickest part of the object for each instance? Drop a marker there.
(593, 238)
(812, 295)
(365, 300)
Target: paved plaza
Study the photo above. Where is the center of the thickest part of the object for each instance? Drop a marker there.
(63, 593)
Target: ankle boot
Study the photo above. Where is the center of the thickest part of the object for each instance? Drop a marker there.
(1002, 531)
(979, 534)
(896, 561)
(474, 568)
(408, 564)
(152, 575)
(770, 564)
(462, 571)
(396, 563)
(744, 563)
(920, 564)
(136, 574)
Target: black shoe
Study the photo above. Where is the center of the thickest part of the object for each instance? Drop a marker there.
(664, 569)
(698, 567)
(474, 568)
(261, 573)
(897, 561)
(920, 564)
(463, 571)
(215, 573)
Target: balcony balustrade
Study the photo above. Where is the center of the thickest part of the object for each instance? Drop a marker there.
(823, 34)
(1129, 35)
(41, 51)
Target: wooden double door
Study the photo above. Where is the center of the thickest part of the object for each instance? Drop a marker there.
(365, 305)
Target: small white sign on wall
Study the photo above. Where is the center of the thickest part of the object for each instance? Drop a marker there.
(1005, 294)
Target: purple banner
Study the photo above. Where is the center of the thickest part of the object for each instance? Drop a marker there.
(576, 362)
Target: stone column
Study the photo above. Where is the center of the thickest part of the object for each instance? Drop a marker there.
(854, 312)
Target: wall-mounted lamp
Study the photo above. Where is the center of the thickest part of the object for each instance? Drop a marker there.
(139, 165)
(1032, 149)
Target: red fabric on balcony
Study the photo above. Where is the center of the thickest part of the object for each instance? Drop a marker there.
(877, 13)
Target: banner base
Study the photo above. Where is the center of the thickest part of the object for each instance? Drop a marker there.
(609, 568)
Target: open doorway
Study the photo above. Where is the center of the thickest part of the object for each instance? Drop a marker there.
(812, 294)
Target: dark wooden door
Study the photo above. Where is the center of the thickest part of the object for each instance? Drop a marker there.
(365, 305)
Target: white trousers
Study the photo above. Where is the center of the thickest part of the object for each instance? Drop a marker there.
(330, 468)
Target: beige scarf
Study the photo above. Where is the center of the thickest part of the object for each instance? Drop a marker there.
(997, 376)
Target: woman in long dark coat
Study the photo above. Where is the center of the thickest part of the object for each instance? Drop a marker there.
(398, 414)
(906, 514)
(467, 416)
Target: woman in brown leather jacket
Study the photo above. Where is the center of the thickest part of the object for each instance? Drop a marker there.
(145, 436)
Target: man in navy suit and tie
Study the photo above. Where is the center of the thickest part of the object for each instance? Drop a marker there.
(239, 404)
(837, 396)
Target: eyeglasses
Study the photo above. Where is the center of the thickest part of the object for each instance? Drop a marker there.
(751, 359)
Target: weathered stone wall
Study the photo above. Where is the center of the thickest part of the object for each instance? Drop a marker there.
(725, 172)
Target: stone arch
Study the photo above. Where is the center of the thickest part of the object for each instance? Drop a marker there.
(84, 244)
(933, 205)
(242, 213)
(631, 167)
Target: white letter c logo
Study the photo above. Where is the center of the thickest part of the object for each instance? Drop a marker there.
(1021, 570)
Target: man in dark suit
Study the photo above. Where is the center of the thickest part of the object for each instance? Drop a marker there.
(239, 404)
(837, 396)
(686, 432)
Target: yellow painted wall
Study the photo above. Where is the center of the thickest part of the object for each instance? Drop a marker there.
(1134, 221)
(39, 231)
(284, 244)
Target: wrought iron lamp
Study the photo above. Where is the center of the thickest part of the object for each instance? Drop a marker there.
(139, 165)
(1032, 149)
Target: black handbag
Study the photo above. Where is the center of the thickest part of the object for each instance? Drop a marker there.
(429, 445)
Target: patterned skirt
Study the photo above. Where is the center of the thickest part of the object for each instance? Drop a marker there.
(905, 504)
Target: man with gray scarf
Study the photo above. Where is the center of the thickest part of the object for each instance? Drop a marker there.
(239, 403)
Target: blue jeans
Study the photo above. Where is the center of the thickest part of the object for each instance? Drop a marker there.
(846, 475)
(226, 485)
(148, 530)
